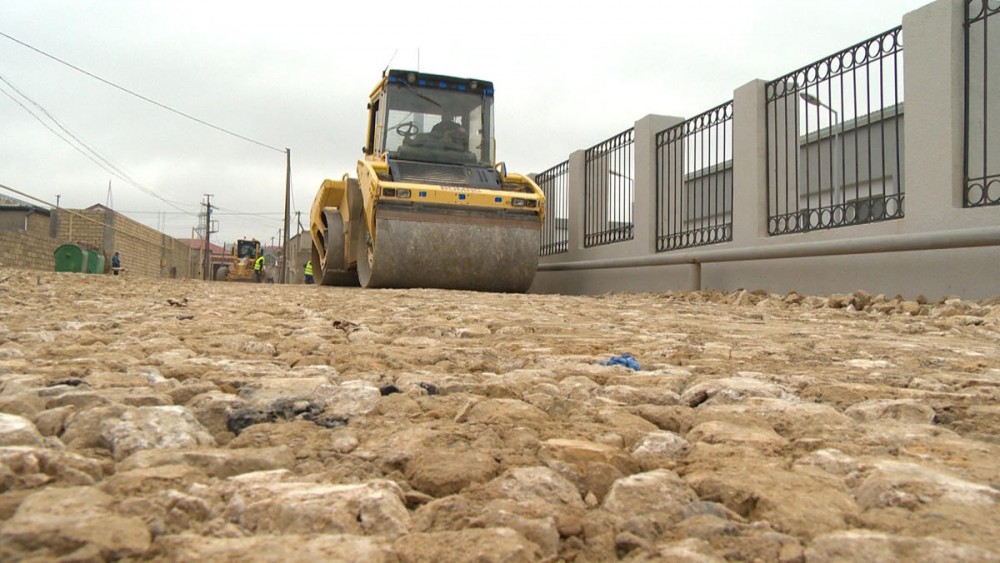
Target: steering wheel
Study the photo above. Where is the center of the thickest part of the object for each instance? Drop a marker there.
(407, 130)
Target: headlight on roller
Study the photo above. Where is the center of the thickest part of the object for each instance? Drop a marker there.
(396, 192)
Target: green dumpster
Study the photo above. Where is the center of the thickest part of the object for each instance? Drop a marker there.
(95, 262)
(71, 258)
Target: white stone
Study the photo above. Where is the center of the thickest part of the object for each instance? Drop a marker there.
(143, 428)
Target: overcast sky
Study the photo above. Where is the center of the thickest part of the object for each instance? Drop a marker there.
(297, 74)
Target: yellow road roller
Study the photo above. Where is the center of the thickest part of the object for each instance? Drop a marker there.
(430, 206)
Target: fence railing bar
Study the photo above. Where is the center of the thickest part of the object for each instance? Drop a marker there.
(895, 111)
(978, 183)
(553, 183)
(849, 92)
(695, 181)
(607, 196)
(986, 67)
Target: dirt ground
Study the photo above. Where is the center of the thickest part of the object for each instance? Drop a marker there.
(146, 419)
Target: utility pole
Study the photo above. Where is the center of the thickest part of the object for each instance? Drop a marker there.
(288, 197)
(207, 263)
(298, 219)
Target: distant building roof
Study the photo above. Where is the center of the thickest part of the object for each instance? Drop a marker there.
(8, 203)
(199, 243)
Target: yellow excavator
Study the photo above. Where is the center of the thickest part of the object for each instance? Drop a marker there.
(430, 206)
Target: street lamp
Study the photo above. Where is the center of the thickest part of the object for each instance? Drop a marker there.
(814, 101)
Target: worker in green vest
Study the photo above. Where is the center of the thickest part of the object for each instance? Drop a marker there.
(258, 269)
(309, 272)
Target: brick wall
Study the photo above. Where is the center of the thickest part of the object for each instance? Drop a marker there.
(144, 251)
(73, 227)
(37, 223)
(12, 220)
(19, 249)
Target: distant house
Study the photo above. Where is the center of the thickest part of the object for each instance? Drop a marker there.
(17, 215)
(198, 243)
(300, 252)
(221, 255)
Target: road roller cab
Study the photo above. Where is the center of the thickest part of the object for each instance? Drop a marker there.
(431, 119)
(430, 206)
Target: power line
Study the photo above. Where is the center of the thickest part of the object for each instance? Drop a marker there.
(246, 213)
(133, 93)
(80, 144)
(236, 213)
(140, 96)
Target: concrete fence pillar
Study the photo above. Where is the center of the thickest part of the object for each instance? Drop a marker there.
(576, 175)
(644, 215)
(749, 164)
(934, 51)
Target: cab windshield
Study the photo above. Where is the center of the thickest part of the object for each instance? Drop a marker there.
(438, 125)
(246, 249)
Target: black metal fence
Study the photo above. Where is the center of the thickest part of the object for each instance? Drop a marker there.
(982, 172)
(834, 139)
(694, 181)
(609, 191)
(555, 232)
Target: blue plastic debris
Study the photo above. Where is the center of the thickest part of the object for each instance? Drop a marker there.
(626, 360)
